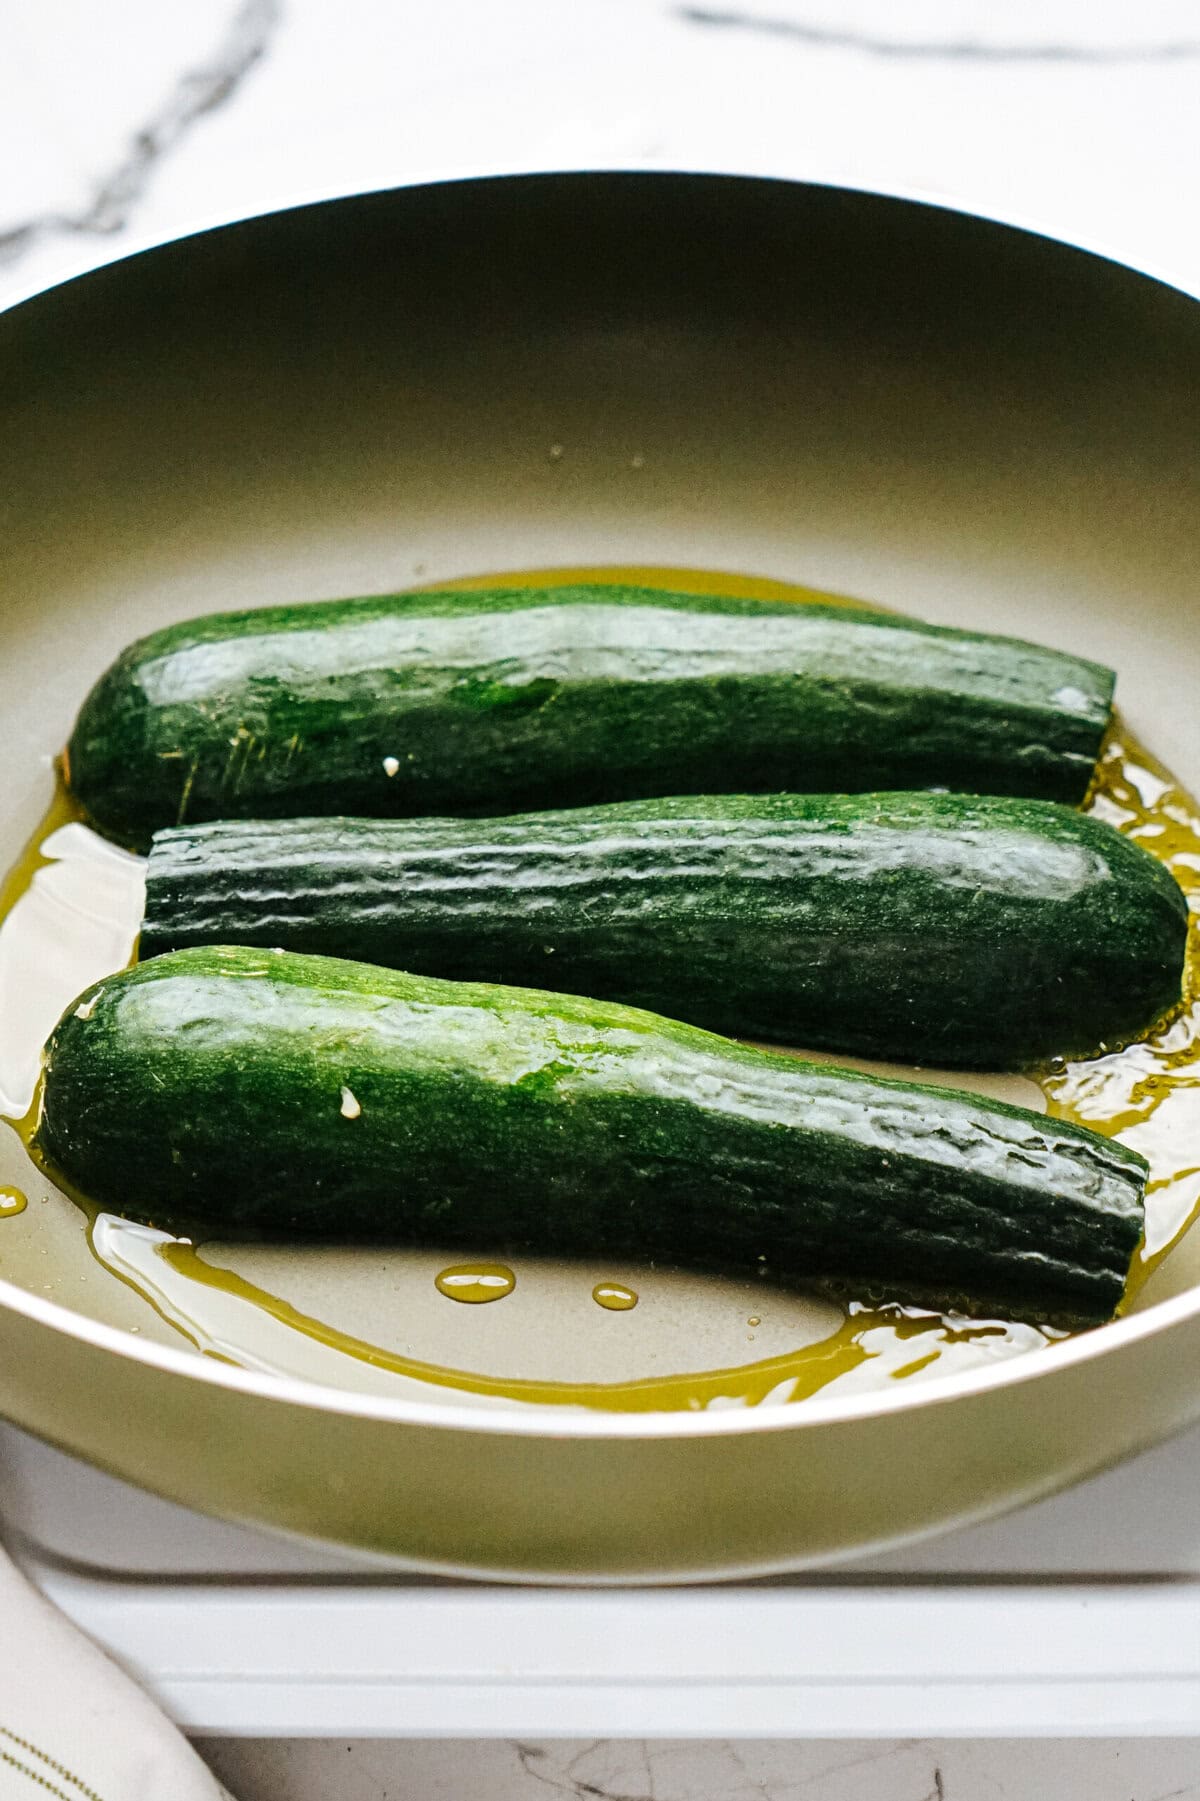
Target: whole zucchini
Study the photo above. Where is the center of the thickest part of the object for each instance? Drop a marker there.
(305, 1094)
(499, 701)
(931, 928)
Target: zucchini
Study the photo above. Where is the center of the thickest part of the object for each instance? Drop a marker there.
(309, 1095)
(500, 701)
(929, 928)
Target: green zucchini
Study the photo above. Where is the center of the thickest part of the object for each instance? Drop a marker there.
(929, 928)
(308, 1095)
(500, 701)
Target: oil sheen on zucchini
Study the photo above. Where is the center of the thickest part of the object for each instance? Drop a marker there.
(507, 699)
(315, 1096)
(928, 928)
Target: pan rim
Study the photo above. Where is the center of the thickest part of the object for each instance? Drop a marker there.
(527, 1421)
(306, 198)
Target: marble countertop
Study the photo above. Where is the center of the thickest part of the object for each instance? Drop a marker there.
(128, 123)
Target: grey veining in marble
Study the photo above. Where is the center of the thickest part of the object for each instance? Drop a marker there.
(196, 92)
(826, 37)
(682, 1770)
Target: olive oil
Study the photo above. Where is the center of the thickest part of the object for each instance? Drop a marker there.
(865, 1334)
(1141, 1093)
(64, 809)
(476, 1283)
(614, 1297)
(1147, 1093)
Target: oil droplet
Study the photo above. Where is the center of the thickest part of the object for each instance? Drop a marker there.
(391, 765)
(754, 1320)
(476, 1282)
(12, 1202)
(615, 1296)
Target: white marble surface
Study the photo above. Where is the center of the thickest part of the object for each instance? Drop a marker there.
(666, 1770)
(134, 121)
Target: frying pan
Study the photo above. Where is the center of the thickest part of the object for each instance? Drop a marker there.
(861, 393)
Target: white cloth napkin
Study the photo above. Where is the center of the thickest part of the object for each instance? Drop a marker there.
(73, 1727)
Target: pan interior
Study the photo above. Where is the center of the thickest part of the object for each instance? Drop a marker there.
(398, 390)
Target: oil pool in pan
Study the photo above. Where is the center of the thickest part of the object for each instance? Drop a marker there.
(1141, 1093)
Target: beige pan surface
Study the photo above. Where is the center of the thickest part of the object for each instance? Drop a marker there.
(665, 372)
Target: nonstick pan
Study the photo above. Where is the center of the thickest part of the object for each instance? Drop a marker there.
(855, 392)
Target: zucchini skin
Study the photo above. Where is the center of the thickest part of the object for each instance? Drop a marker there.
(510, 699)
(929, 928)
(211, 1084)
